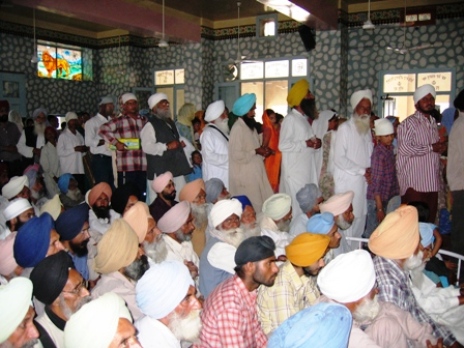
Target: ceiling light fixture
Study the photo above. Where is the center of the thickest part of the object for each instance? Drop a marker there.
(34, 58)
(368, 24)
(288, 8)
(163, 43)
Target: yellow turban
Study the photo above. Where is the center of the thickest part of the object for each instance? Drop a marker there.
(297, 93)
(118, 248)
(397, 236)
(307, 248)
(191, 190)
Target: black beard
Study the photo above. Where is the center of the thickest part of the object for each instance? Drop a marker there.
(249, 121)
(169, 197)
(101, 212)
(19, 223)
(79, 249)
(137, 269)
(309, 108)
(4, 118)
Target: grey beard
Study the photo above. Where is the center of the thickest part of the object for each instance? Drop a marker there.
(367, 310)
(37, 194)
(67, 312)
(222, 125)
(200, 214)
(164, 114)
(136, 269)
(283, 226)
(157, 251)
(186, 328)
(182, 237)
(75, 195)
(362, 123)
(233, 236)
(342, 223)
(29, 344)
(250, 231)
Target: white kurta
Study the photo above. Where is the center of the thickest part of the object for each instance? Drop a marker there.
(270, 229)
(101, 225)
(180, 251)
(50, 164)
(92, 138)
(27, 151)
(298, 225)
(70, 159)
(298, 166)
(215, 152)
(153, 334)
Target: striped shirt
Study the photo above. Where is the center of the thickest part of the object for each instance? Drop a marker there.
(417, 166)
(383, 174)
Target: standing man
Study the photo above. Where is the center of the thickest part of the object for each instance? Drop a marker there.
(102, 168)
(352, 159)
(247, 175)
(8, 140)
(419, 149)
(130, 159)
(162, 146)
(297, 143)
(214, 142)
(33, 139)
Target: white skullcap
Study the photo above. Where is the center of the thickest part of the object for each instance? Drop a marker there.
(357, 96)
(155, 99)
(277, 206)
(106, 100)
(223, 209)
(70, 116)
(422, 91)
(52, 206)
(214, 110)
(382, 126)
(96, 323)
(128, 96)
(337, 204)
(174, 218)
(161, 181)
(15, 300)
(347, 278)
(14, 186)
(162, 288)
(16, 207)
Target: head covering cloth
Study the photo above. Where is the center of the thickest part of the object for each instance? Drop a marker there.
(70, 116)
(357, 96)
(244, 200)
(7, 261)
(70, 223)
(213, 188)
(307, 248)
(423, 91)
(307, 197)
(254, 249)
(320, 223)
(244, 104)
(52, 207)
(121, 196)
(223, 209)
(137, 218)
(382, 126)
(63, 182)
(39, 111)
(97, 191)
(14, 186)
(337, 204)
(161, 181)
(16, 207)
(191, 190)
(277, 206)
(214, 110)
(128, 96)
(297, 93)
(426, 233)
(106, 100)
(186, 114)
(155, 99)
(174, 218)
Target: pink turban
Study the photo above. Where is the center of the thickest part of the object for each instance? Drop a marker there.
(97, 190)
(174, 218)
(7, 260)
(161, 181)
(191, 190)
(137, 218)
(337, 204)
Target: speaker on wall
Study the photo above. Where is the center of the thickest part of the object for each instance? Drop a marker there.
(308, 36)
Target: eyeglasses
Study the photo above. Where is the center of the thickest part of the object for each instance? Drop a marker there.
(77, 290)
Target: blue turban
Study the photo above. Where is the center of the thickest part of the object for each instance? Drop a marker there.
(426, 233)
(244, 104)
(69, 224)
(213, 188)
(63, 182)
(244, 200)
(320, 223)
(32, 241)
(325, 325)
(307, 197)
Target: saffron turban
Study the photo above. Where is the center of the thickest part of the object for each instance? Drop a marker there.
(14, 186)
(277, 206)
(337, 204)
(213, 188)
(70, 116)
(397, 236)
(128, 96)
(348, 278)
(15, 300)
(63, 182)
(7, 261)
(106, 100)
(244, 104)
(118, 248)
(39, 111)
(244, 200)
(52, 206)
(97, 190)
(32, 241)
(155, 99)
(297, 93)
(357, 96)
(325, 325)
(161, 181)
(214, 110)
(382, 126)
(69, 224)
(137, 218)
(426, 233)
(174, 218)
(16, 207)
(320, 223)
(307, 248)
(162, 288)
(307, 197)
(254, 249)
(423, 91)
(96, 323)
(191, 190)
(223, 209)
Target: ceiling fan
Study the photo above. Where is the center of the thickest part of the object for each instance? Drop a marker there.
(163, 43)
(368, 25)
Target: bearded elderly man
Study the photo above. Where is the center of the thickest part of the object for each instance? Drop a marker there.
(298, 143)
(121, 263)
(17, 213)
(395, 243)
(172, 311)
(70, 194)
(247, 175)
(309, 197)
(162, 145)
(17, 315)
(295, 286)
(17, 187)
(101, 216)
(166, 192)
(32, 139)
(352, 160)
(103, 322)
(62, 289)
(419, 150)
(216, 190)
(248, 222)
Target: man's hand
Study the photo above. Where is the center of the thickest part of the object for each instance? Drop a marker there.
(80, 148)
(380, 215)
(36, 151)
(192, 268)
(120, 146)
(101, 142)
(314, 143)
(439, 147)
(172, 145)
(368, 175)
(438, 345)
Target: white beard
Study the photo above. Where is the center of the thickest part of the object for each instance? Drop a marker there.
(223, 125)
(157, 251)
(414, 261)
(75, 195)
(200, 214)
(188, 328)
(362, 123)
(283, 226)
(251, 231)
(39, 128)
(233, 237)
(367, 310)
(342, 223)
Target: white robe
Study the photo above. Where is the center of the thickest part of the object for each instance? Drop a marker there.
(27, 151)
(153, 334)
(298, 162)
(70, 160)
(215, 152)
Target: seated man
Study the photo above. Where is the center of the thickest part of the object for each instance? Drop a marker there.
(295, 286)
(101, 216)
(17, 314)
(36, 186)
(53, 206)
(124, 197)
(166, 192)
(172, 312)
(324, 224)
(9, 269)
(104, 322)
(17, 187)
(216, 190)
(154, 244)
(308, 198)
(248, 222)
(70, 194)
(62, 289)
(17, 213)
(229, 315)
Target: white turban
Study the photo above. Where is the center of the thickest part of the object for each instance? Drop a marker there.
(161, 181)
(422, 91)
(383, 126)
(16, 207)
(14, 186)
(52, 206)
(277, 206)
(70, 116)
(39, 111)
(337, 204)
(214, 110)
(174, 218)
(106, 100)
(96, 323)
(155, 99)
(15, 300)
(357, 96)
(348, 278)
(223, 209)
(162, 288)
(128, 96)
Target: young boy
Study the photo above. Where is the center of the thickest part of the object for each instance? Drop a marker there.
(384, 183)
(196, 173)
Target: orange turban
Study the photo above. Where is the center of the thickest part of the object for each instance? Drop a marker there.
(397, 236)
(191, 190)
(97, 190)
(306, 248)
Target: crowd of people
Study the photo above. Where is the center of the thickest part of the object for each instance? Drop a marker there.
(213, 230)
